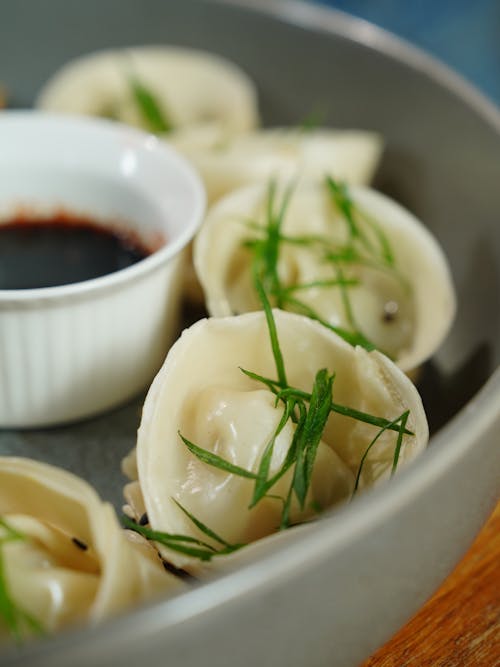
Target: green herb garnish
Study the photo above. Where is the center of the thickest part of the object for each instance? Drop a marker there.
(152, 112)
(265, 251)
(214, 460)
(366, 246)
(189, 546)
(314, 119)
(400, 425)
(358, 415)
(17, 620)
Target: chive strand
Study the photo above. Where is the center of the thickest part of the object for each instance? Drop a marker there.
(201, 526)
(273, 334)
(16, 619)
(399, 442)
(344, 410)
(399, 420)
(216, 461)
(261, 488)
(149, 107)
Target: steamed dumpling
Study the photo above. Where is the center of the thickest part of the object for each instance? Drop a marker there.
(203, 96)
(201, 393)
(403, 306)
(72, 562)
(255, 157)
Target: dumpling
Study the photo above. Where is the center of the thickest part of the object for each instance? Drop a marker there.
(201, 397)
(64, 557)
(256, 156)
(349, 257)
(201, 97)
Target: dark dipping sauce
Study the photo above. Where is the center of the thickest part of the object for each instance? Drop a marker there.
(63, 249)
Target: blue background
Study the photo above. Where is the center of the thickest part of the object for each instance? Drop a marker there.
(464, 34)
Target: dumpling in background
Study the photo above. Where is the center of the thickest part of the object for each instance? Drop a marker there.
(168, 90)
(349, 257)
(309, 154)
(65, 558)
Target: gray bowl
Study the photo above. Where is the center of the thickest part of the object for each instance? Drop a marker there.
(334, 597)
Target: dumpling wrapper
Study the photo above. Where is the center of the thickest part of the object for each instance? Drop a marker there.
(201, 392)
(197, 90)
(47, 574)
(255, 157)
(420, 288)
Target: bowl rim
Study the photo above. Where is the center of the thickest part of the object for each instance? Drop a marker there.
(373, 506)
(320, 18)
(144, 143)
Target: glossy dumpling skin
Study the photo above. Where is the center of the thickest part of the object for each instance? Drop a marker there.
(196, 90)
(419, 286)
(254, 157)
(202, 393)
(75, 563)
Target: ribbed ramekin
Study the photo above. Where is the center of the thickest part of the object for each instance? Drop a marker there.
(72, 351)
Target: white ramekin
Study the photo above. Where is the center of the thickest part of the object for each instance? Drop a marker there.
(72, 351)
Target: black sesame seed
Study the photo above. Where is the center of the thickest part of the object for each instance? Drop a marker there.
(178, 572)
(78, 543)
(143, 521)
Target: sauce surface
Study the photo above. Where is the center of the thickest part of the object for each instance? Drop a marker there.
(63, 249)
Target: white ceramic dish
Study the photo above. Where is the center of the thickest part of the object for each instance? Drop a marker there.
(331, 597)
(71, 351)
